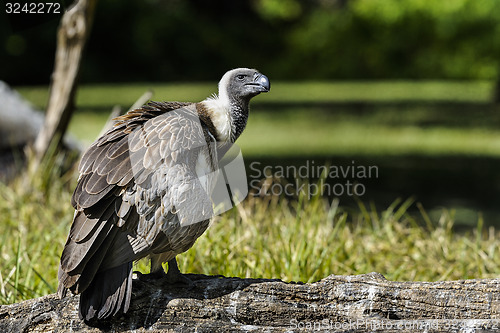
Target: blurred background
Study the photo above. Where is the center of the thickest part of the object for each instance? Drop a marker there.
(411, 87)
(174, 40)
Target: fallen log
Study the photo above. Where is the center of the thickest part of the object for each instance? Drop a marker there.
(358, 303)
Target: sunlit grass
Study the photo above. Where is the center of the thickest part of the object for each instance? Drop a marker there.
(97, 95)
(86, 126)
(306, 240)
(307, 131)
(302, 136)
(294, 239)
(35, 213)
(312, 137)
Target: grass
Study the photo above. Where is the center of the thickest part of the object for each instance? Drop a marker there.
(383, 128)
(34, 217)
(294, 239)
(306, 240)
(97, 95)
(296, 133)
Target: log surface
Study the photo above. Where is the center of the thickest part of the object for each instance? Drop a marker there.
(361, 303)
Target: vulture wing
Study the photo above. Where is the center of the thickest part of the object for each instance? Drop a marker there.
(139, 192)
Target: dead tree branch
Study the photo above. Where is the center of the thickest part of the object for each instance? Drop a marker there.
(71, 37)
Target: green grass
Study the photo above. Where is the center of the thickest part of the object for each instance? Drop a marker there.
(86, 126)
(297, 133)
(306, 240)
(296, 239)
(35, 213)
(96, 95)
(410, 128)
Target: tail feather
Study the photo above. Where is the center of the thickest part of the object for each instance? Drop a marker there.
(108, 294)
(94, 265)
(117, 302)
(79, 281)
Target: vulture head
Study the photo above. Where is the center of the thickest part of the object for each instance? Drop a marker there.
(241, 84)
(229, 110)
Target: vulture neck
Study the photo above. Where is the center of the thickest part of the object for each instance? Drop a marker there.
(229, 116)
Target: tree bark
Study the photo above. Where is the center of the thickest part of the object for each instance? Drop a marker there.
(71, 37)
(337, 304)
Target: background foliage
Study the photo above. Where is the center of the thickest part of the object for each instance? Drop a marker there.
(163, 40)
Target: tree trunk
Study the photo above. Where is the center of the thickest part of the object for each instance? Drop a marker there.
(337, 304)
(71, 37)
(496, 92)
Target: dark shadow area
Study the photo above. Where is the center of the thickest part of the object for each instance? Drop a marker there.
(11, 161)
(470, 185)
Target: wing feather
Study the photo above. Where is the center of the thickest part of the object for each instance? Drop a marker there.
(114, 135)
(100, 158)
(76, 255)
(96, 184)
(118, 149)
(120, 216)
(89, 157)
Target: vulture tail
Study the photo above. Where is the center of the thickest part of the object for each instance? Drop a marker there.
(108, 294)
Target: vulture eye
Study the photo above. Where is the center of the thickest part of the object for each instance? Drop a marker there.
(240, 77)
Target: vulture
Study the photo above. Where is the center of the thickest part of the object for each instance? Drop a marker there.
(145, 190)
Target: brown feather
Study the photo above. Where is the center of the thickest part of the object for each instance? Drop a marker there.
(118, 172)
(118, 211)
(88, 158)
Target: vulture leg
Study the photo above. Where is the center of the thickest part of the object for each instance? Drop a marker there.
(156, 273)
(174, 275)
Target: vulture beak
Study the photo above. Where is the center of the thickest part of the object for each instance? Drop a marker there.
(261, 82)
